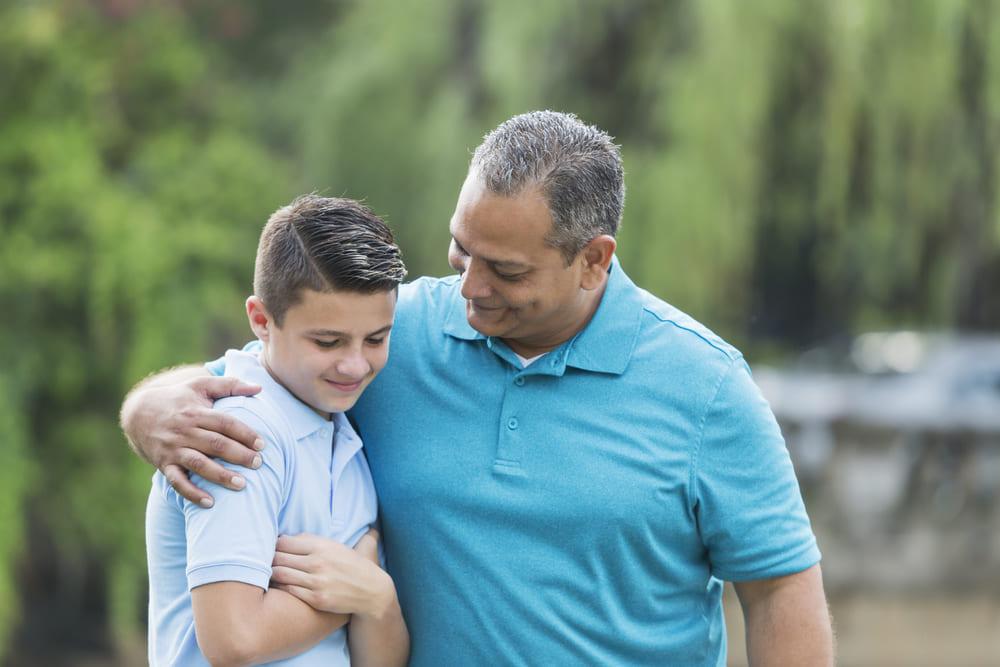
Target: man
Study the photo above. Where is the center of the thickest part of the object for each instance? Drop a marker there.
(567, 466)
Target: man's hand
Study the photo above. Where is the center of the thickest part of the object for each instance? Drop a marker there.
(169, 421)
(332, 577)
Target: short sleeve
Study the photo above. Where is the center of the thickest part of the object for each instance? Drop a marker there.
(217, 367)
(234, 540)
(747, 501)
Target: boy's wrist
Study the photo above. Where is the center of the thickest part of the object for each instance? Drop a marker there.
(383, 600)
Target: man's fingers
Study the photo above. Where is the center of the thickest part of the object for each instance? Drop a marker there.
(233, 432)
(289, 576)
(212, 471)
(214, 444)
(178, 479)
(216, 387)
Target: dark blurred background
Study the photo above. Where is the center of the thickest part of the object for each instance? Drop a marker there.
(801, 174)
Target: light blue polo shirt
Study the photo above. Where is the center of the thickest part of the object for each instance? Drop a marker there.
(583, 510)
(314, 479)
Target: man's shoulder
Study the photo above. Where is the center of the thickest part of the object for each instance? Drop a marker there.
(666, 325)
(426, 299)
(426, 290)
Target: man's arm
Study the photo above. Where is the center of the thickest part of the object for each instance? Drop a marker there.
(169, 422)
(241, 624)
(787, 621)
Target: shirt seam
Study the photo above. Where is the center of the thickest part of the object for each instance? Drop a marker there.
(807, 553)
(201, 570)
(729, 353)
(695, 456)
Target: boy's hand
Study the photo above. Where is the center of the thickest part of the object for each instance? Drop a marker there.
(332, 577)
(174, 427)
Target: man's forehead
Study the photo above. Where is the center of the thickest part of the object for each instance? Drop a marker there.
(503, 253)
(502, 230)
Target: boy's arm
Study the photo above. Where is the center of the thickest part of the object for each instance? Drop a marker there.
(380, 640)
(169, 422)
(330, 576)
(238, 618)
(241, 624)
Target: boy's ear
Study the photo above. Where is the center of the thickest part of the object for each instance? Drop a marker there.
(260, 319)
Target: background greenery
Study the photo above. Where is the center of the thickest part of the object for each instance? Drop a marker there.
(797, 170)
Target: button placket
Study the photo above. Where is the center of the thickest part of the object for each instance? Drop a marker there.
(510, 443)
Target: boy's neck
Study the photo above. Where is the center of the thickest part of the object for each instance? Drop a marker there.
(263, 362)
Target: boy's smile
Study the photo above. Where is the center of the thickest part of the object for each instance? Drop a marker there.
(329, 347)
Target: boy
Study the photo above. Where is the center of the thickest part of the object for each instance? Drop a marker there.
(325, 282)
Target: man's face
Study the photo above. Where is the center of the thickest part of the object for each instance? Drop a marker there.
(516, 286)
(329, 347)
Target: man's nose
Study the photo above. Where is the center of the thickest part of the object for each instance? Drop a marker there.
(474, 285)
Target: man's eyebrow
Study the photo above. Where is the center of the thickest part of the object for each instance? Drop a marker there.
(505, 263)
(334, 332)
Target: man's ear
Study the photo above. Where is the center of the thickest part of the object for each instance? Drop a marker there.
(260, 320)
(596, 257)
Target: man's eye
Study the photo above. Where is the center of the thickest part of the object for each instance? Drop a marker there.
(326, 343)
(511, 278)
(376, 341)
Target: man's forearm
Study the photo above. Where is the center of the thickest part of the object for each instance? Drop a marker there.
(787, 620)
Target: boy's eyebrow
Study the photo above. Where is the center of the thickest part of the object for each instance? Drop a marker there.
(342, 334)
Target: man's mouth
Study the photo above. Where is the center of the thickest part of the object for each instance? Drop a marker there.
(477, 306)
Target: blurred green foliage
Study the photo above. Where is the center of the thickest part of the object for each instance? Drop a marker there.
(796, 170)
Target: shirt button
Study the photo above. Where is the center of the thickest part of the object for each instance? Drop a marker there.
(512, 423)
(519, 381)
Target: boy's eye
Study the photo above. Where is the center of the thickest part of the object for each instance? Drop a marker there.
(326, 343)
(376, 341)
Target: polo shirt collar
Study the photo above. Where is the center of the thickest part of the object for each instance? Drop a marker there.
(303, 420)
(457, 324)
(605, 345)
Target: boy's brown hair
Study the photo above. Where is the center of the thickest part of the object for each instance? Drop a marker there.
(323, 244)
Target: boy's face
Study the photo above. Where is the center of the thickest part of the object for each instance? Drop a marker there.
(329, 346)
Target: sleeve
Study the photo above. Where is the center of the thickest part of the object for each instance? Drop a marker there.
(234, 540)
(747, 501)
(217, 367)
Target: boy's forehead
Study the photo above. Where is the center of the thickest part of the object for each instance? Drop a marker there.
(342, 310)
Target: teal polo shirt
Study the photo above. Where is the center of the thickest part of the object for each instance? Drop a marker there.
(582, 510)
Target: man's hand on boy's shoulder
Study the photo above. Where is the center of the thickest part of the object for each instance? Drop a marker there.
(169, 421)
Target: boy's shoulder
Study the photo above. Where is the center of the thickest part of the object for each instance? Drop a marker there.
(266, 411)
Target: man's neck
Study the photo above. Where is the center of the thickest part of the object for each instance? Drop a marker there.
(530, 347)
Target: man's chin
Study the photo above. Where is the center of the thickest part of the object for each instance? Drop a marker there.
(487, 326)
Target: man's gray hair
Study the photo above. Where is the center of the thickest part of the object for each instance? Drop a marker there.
(577, 166)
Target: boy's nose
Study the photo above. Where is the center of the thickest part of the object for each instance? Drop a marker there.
(353, 366)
